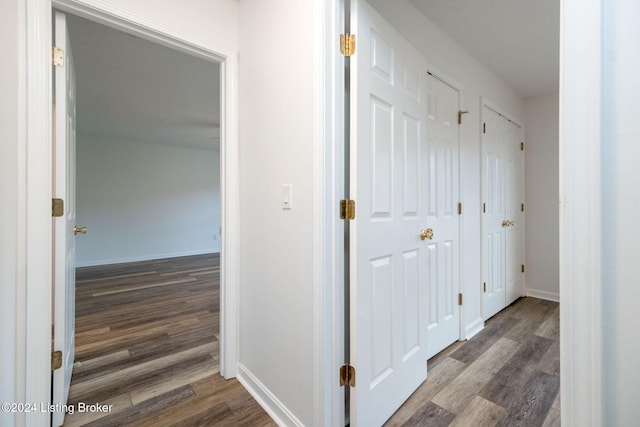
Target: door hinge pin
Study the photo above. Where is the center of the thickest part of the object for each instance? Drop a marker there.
(522, 146)
(57, 57)
(523, 268)
(484, 208)
(460, 208)
(522, 207)
(460, 299)
(347, 209)
(484, 286)
(347, 375)
(347, 44)
(484, 127)
(56, 360)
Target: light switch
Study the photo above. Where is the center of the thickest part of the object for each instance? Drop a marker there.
(286, 196)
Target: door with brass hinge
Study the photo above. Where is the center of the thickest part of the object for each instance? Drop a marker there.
(388, 256)
(64, 218)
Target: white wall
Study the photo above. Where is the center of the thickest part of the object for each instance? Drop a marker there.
(474, 80)
(141, 200)
(9, 208)
(621, 211)
(541, 197)
(276, 245)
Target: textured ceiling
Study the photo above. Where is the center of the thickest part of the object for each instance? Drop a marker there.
(131, 88)
(517, 39)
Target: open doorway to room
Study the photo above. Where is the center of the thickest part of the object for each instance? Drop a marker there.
(148, 210)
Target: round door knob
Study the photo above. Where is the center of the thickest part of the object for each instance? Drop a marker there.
(82, 230)
(426, 234)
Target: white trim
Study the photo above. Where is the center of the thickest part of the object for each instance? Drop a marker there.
(34, 378)
(267, 400)
(581, 287)
(493, 107)
(546, 295)
(473, 328)
(36, 314)
(149, 257)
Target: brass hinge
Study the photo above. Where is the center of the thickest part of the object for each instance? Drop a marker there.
(347, 44)
(460, 299)
(460, 208)
(57, 57)
(522, 207)
(460, 113)
(348, 375)
(484, 286)
(523, 268)
(484, 208)
(56, 360)
(522, 146)
(57, 207)
(347, 209)
(484, 127)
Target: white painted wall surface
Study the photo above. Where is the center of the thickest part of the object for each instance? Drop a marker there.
(474, 80)
(276, 245)
(621, 211)
(10, 164)
(208, 23)
(142, 200)
(541, 197)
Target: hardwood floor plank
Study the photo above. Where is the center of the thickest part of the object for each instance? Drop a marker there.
(437, 379)
(510, 381)
(456, 395)
(479, 413)
(494, 329)
(118, 404)
(430, 415)
(532, 404)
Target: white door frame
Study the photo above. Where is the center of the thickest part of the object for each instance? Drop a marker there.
(38, 299)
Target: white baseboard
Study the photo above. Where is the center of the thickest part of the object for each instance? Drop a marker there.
(473, 328)
(270, 403)
(93, 263)
(536, 293)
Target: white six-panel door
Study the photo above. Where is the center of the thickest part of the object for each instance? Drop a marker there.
(389, 261)
(440, 197)
(404, 178)
(502, 217)
(63, 228)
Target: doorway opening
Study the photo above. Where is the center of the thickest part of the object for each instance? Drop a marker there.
(150, 191)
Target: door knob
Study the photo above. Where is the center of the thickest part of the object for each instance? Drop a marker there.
(426, 234)
(82, 230)
(506, 223)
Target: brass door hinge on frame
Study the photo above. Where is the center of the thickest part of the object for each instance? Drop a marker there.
(348, 375)
(522, 146)
(347, 209)
(347, 44)
(57, 57)
(460, 208)
(57, 208)
(460, 299)
(523, 268)
(484, 286)
(460, 113)
(56, 360)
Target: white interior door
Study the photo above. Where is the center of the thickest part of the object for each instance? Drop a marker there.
(389, 261)
(441, 179)
(494, 189)
(502, 218)
(514, 198)
(63, 227)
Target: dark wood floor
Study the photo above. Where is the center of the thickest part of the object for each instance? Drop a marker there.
(147, 344)
(507, 375)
